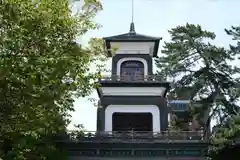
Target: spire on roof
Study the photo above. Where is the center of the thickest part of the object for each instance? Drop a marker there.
(132, 27)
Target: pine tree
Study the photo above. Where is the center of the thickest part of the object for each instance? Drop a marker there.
(189, 60)
(225, 141)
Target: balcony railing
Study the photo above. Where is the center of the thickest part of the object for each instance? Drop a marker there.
(117, 78)
(135, 136)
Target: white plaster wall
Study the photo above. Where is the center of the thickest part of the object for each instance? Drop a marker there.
(133, 47)
(119, 63)
(153, 109)
(133, 91)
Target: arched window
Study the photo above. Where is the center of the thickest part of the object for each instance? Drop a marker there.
(132, 71)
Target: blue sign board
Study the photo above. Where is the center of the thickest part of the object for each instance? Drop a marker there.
(179, 105)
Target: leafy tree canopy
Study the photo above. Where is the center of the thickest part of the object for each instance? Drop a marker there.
(42, 70)
(206, 70)
(225, 140)
(191, 61)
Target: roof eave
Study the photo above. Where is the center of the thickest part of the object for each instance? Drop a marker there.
(156, 46)
(127, 37)
(131, 40)
(109, 40)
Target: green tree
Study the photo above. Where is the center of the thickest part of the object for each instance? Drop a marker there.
(42, 70)
(191, 61)
(224, 138)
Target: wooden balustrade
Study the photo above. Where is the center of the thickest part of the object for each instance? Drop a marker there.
(148, 78)
(137, 136)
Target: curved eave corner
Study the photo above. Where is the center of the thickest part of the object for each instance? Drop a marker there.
(99, 92)
(156, 46)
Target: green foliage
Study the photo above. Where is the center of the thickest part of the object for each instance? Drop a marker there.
(78, 132)
(191, 61)
(42, 70)
(235, 33)
(226, 132)
(223, 139)
(229, 130)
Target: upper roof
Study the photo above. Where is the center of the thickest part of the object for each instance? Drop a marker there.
(132, 36)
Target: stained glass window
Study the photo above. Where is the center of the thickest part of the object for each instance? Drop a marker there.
(132, 71)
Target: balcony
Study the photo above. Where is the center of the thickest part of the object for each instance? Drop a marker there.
(102, 145)
(151, 85)
(137, 136)
(131, 79)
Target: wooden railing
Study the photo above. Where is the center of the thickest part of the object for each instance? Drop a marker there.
(148, 78)
(136, 136)
(172, 153)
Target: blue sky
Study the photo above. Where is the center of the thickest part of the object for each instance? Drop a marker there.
(155, 18)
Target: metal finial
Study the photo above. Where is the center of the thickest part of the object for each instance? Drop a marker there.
(132, 27)
(132, 10)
